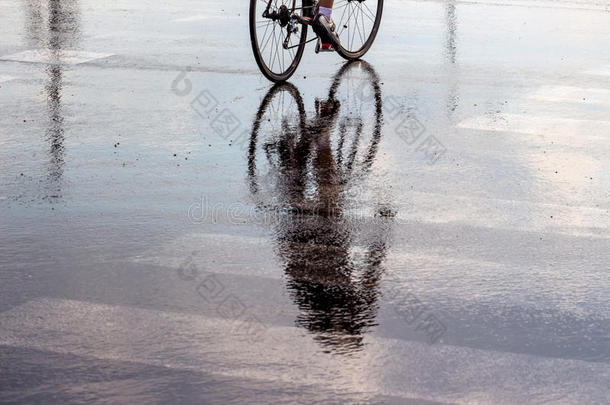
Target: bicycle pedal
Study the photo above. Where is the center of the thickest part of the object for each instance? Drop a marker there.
(320, 47)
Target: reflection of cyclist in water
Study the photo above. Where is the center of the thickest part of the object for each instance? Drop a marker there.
(326, 172)
(333, 261)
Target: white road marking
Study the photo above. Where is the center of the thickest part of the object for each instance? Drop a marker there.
(569, 94)
(6, 78)
(387, 367)
(207, 16)
(66, 57)
(601, 71)
(561, 4)
(526, 216)
(197, 17)
(573, 131)
(255, 256)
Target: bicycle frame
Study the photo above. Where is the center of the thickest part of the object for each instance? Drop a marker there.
(287, 17)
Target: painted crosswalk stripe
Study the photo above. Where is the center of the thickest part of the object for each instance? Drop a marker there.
(600, 71)
(192, 342)
(569, 94)
(6, 78)
(576, 132)
(67, 57)
(197, 17)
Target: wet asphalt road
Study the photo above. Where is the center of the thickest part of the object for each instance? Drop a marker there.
(175, 230)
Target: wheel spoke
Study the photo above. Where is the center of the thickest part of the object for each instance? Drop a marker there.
(264, 36)
(355, 24)
(372, 16)
(349, 27)
(267, 42)
(283, 53)
(357, 29)
(271, 54)
(364, 31)
(341, 23)
(279, 50)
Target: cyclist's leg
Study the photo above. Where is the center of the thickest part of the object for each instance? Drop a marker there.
(324, 27)
(326, 7)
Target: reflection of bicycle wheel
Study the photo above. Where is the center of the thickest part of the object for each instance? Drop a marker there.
(281, 140)
(357, 25)
(276, 132)
(360, 119)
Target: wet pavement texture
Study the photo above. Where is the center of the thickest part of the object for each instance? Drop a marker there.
(427, 226)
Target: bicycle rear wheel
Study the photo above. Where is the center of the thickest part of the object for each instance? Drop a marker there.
(357, 25)
(270, 24)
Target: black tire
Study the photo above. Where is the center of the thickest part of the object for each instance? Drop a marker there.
(353, 10)
(283, 72)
